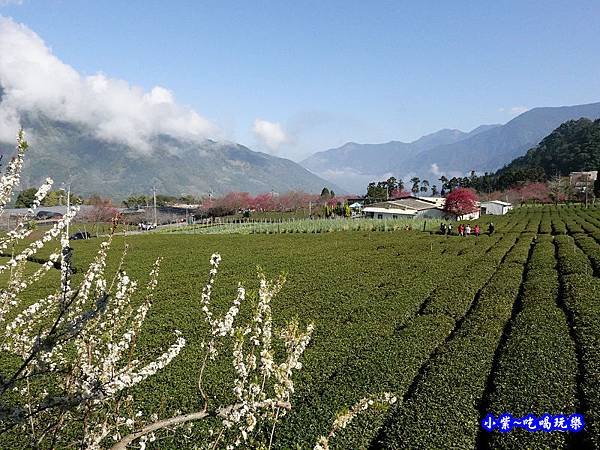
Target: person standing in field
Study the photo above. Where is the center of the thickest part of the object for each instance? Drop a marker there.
(468, 230)
(461, 230)
(491, 228)
(477, 230)
(449, 229)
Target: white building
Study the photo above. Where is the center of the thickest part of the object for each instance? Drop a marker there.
(468, 216)
(582, 181)
(412, 207)
(386, 213)
(439, 201)
(495, 207)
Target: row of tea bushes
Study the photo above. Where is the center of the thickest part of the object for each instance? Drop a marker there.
(545, 223)
(455, 298)
(444, 407)
(384, 362)
(386, 365)
(537, 369)
(591, 248)
(365, 430)
(533, 225)
(581, 296)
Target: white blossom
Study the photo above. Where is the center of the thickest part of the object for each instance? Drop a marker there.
(343, 419)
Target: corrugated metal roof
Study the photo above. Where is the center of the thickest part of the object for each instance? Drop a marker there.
(410, 203)
(415, 203)
(404, 212)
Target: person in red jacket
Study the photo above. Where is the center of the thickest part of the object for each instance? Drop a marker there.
(461, 230)
(477, 230)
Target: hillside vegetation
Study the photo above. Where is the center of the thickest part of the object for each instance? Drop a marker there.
(573, 146)
(74, 154)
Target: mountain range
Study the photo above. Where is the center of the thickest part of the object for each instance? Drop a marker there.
(446, 152)
(574, 146)
(72, 152)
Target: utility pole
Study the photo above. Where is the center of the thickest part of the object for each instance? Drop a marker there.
(587, 186)
(154, 197)
(68, 204)
(68, 191)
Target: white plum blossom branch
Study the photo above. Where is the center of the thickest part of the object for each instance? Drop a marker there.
(262, 387)
(77, 348)
(78, 341)
(343, 419)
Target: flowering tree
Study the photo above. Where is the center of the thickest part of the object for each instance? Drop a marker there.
(75, 348)
(399, 193)
(102, 211)
(380, 402)
(74, 345)
(263, 202)
(268, 201)
(461, 201)
(528, 192)
(74, 351)
(536, 192)
(559, 189)
(262, 387)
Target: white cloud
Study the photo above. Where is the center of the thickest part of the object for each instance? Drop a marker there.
(514, 110)
(435, 169)
(10, 2)
(35, 80)
(270, 133)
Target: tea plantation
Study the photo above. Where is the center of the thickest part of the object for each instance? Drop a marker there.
(456, 327)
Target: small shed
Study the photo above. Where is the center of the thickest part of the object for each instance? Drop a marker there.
(495, 207)
(388, 212)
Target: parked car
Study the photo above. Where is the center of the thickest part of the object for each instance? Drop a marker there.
(47, 215)
(143, 226)
(80, 235)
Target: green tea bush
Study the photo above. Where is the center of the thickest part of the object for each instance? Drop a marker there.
(570, 259)
(537, 368)
(444, 405)
(581, 294)
(455, 298)
(591, 248)
(545, 224)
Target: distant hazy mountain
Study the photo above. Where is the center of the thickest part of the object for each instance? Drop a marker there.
(449, 152)
(353, 165)
(66, 150)
(491, 149)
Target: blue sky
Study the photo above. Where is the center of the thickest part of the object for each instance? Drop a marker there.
(329, 72)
